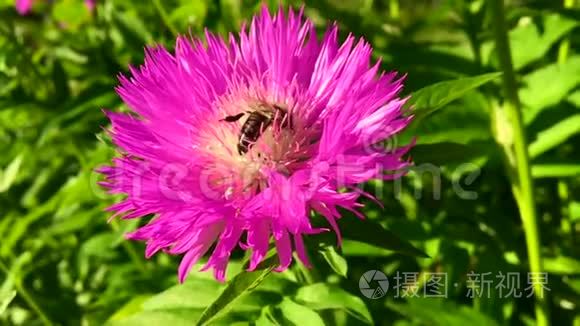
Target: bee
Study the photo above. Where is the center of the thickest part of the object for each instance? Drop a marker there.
(258, 120)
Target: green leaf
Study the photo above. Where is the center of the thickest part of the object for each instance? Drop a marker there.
(22, 225)
(334, 260)
(289, 312)
(192, 294)
(574, 98)
(433, 97)
(256, 300)
(76, 110)
(173, 317)
(133, 27)
(555, 170)
(427, 311)
(268, 317)
(239, 285)
(561, 265)
(5, 299)
(555, 135)
(548, 86)
(574, 211)
(469, 112)
(189, 13)
(8, 176)
(99, 245)
(448, 152)
(70, 224)
(356, 248)
(297, 314)
(72, 13)
(536, 40)
(373, 233)
(191, 297)
(321, 296)
(134, 306)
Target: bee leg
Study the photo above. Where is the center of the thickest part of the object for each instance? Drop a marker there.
(287, 122)
(284, 117)
(244, 144)
(243, 147)
(233, 118)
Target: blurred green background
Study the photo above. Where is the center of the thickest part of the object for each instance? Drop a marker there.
(62, 263)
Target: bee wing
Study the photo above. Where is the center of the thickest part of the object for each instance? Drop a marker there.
(232, 118)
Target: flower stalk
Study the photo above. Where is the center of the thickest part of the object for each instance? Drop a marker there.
(394, 9)
(564, 48)
(522, 183)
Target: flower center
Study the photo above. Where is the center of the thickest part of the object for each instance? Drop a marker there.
(251, 139)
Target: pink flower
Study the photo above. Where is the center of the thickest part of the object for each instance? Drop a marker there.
(90, 4)
(317, 111)
(23, 6)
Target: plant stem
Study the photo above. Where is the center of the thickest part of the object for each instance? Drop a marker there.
(564, 194)
(522, 186)
(564, 48)
(26, 296)
(394, 9)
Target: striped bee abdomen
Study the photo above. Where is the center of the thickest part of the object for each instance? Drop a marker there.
(256, 123)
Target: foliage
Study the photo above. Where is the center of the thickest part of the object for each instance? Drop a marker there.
(61, 262)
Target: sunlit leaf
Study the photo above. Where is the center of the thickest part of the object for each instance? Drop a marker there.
(194, 293)
(191, 298)
(555, 135)
(324, 296)
(8, 176)
(561, 265)
(173, 317)
(134, 306)
(574, 98)
(470, 112)
(289, 312)
(239, 285)
(433, 97)
(574, 211)
(298, 314)
(548, 86)
(5, 299)
(536, 37)
(70, 13)
(356, 248)
(189, 13)
(555, 170)
(267, 317)
(334, 260)
(98, 246)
